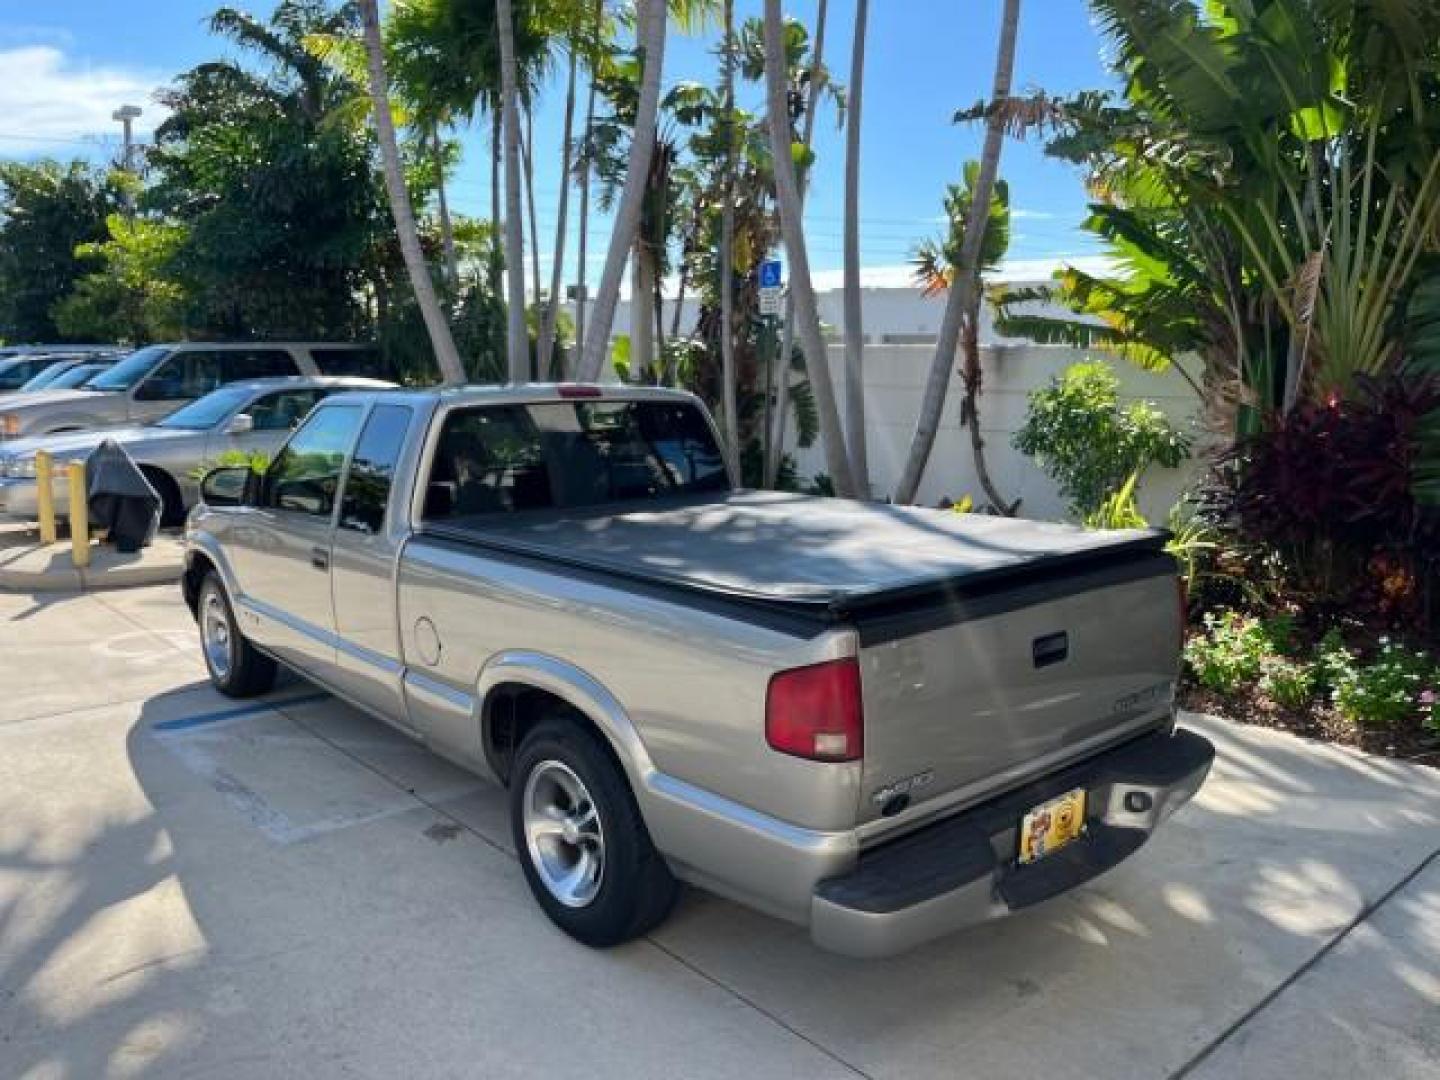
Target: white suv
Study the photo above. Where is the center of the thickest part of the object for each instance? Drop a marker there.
(158, 379)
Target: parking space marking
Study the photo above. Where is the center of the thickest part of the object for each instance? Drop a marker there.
(185, 723)
(207, 744)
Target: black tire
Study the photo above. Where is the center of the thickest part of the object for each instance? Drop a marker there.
(243, 671)
(636, 889)
(172, 503)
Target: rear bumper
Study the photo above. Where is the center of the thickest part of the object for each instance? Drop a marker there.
(963, 870)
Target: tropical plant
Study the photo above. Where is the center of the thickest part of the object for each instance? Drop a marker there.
(1388, 689)
(936, 264)
(446, 356)
(787, 198)
(854, 322)
(1090, 442)
(967, 276)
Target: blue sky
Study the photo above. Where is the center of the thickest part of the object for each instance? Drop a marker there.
(69, 63)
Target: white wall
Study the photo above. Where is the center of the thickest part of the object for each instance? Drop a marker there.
(894, 381)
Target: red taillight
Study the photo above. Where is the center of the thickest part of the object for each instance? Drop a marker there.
(815, 712)
(578, 390)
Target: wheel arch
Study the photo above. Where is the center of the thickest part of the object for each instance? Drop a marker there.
(518, 689)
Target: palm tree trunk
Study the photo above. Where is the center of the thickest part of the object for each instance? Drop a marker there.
(517, 344)
(966, 273)
(728, 395)
(787, 198)
(557, 261)
(452, 372)
(582, 275)
(854, 322)
(652, 25)
(642, 314)
(538, 365)
(776, 446)
(447, 227)
(970, 408)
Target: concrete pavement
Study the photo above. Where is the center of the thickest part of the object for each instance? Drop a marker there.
(190, 886)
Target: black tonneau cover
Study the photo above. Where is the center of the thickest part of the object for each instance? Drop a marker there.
(817, 558)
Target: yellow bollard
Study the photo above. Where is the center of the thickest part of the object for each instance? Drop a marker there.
(45, 495)
(79, 515)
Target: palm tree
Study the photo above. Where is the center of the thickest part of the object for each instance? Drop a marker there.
(517, 341)
(651, 27)
(854, 325)
(452, 371)
(787, 198)
(815, 80)
(728, 394)
(937, 268)
(557, 258)
(960, 298)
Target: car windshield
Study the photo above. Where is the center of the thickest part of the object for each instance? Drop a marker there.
(131, 370)
(206, 412)
(15, 372)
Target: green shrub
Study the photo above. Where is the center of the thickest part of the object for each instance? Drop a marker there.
(1387, 690)
(1088, 442)
(1230, 652)
(1287, 682)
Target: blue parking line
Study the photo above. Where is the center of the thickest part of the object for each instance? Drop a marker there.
(185, 722)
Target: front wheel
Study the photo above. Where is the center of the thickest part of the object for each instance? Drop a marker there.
(237, 669)
(586, 853)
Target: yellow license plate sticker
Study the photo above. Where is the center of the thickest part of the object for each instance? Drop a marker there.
(1051, 825)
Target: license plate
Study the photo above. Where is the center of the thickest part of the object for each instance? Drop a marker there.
(1051, 825)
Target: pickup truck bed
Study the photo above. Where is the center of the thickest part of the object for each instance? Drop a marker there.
(817, 558)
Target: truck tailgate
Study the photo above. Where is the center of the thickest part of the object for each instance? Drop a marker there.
(966, 696)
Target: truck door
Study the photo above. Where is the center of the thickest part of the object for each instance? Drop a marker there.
(281, 550)
(368, 535)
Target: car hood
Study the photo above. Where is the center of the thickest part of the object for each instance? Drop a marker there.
(80, 443)
(39, 399)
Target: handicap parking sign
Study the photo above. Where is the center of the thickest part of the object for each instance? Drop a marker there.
(770, 274)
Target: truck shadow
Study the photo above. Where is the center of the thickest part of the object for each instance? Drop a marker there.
(237, 947)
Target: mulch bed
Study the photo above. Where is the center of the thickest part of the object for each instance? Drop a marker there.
(1409, 742)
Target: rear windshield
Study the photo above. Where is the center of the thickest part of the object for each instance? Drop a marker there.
(568, 454)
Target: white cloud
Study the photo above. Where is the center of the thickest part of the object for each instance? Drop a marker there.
(1032, 215)
(51, 103)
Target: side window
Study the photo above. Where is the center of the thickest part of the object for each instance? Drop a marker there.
(305, 475)
(372, 469)
(184, 375)
(258, 364)
(283, 410)
(487, 460)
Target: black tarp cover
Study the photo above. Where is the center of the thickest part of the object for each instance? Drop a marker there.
(120, 498)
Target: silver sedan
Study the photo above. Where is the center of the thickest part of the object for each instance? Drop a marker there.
(241, 419)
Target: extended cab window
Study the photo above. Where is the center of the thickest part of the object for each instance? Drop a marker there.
(570, 454)
(372, 469)
(305, 476)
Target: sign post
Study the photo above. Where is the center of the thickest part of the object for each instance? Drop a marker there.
(772, 288)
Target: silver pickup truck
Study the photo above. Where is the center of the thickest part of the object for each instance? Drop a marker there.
(882, 723)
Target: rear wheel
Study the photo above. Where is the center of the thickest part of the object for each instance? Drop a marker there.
(586, 853)
(237, 669)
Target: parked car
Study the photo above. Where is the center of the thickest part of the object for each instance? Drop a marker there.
(72, 374)
(252, 417)
(57, 375)
(156, 380)
(16, 370)
(881, 722)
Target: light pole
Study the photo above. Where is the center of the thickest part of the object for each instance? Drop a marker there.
(127, 115)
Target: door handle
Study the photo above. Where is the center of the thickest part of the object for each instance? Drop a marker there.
(320, 558)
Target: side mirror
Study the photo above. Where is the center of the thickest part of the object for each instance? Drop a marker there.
(240, 424)
(232, 485)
